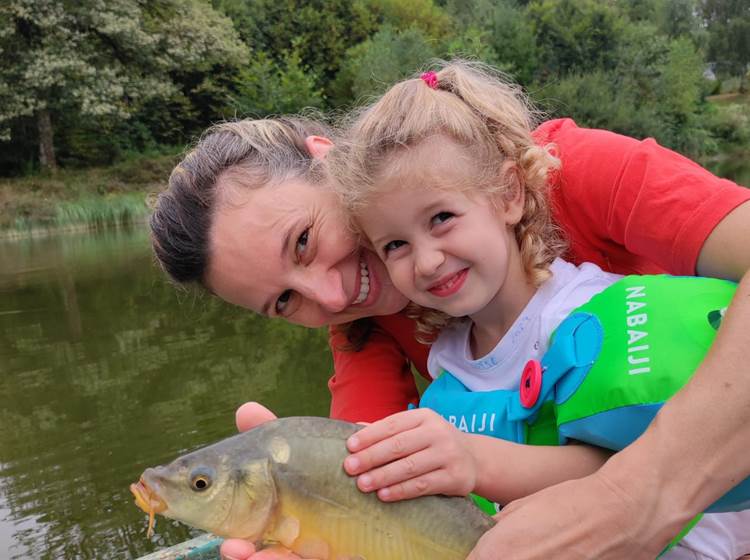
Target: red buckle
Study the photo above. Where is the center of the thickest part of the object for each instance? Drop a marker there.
(531, 383)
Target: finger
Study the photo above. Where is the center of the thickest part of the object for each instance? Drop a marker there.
(252, 414)
(388, 450)
(428, 484)
(407, 468)
(385, 428)
(236, 549)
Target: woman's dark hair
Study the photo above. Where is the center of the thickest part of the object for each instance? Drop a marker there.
(255, 153)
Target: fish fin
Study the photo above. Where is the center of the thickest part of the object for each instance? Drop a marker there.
(286, 531)
(259, 489)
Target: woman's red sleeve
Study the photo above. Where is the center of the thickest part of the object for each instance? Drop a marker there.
(633, 206)
(372, 383)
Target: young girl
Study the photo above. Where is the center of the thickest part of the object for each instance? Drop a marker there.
(444, 179)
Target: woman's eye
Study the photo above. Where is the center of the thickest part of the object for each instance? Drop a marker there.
(441, 218)
(393, 245)
(283, 301)
(301, 245)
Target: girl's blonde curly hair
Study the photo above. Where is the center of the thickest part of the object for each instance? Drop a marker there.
(481, 110)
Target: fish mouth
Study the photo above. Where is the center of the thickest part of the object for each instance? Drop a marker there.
(149, 501)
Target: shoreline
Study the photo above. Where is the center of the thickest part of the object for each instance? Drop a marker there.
(40, 231)
(82, 199)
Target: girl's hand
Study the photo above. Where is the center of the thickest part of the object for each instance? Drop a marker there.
(248, 416)
(409, 454)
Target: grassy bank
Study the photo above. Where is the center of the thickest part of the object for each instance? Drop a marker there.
(83, 198)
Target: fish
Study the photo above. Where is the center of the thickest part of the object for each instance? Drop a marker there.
(283, 482)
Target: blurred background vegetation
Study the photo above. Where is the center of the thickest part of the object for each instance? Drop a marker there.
(98, 98)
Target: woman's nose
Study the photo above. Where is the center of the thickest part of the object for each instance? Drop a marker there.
(327, 290)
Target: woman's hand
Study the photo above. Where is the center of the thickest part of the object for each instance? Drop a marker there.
(409, 454)
(248, 416)
(586, 518)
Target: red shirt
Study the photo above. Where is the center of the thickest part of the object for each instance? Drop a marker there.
(630, 206)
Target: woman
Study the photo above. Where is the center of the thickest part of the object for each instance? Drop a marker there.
(248, 215)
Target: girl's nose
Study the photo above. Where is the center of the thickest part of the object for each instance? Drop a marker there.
(428, 260)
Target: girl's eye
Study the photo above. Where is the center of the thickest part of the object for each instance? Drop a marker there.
(301, 245)
(283, 301)
(441, 218)
(393, 245)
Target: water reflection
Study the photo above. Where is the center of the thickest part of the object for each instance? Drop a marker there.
(106, 369)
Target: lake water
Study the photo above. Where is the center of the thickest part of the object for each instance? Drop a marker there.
(106, 369)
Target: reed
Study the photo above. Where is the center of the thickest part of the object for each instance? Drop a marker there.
(104, 210)
(84, 198)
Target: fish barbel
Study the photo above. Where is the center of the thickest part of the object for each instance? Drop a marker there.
(283, 482)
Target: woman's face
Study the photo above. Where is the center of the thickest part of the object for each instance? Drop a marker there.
(285, 251)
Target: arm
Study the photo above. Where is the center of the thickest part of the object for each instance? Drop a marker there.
(416, 453)
(693, 452)
(525, 469)
(633, 206)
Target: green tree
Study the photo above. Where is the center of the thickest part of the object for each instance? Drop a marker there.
(728, 25)
(654, 90)
(265, 87)
(512, 38)
(102, 59)
(575, 35)
(375, 64)
(321, 31)
(424, 15)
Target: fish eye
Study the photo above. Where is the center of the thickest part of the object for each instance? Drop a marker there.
(200, 481)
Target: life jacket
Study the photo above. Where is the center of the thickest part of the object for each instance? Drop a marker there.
(610, 366)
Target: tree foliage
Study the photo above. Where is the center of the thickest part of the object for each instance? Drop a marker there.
(86, 81)
(105, 59)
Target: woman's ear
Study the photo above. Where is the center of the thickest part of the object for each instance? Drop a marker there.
(512, 200)
(318, 146)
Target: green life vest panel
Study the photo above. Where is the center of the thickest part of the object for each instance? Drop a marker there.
(628, 350)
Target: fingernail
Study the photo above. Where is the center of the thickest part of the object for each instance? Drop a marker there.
(227, 557)
(351, 464)
(365, 481)
(384, 493)
(352, 443)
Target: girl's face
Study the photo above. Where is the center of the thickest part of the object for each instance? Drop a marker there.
(285, 251)
(445, 249)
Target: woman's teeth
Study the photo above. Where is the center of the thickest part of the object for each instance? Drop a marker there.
(364, 283)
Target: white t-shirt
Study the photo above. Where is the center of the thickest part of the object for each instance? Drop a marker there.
(569, 287)
(718, 536)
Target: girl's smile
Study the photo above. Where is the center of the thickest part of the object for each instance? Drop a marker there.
(449, 285)
(444, 248)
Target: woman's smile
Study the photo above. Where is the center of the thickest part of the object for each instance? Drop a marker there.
(322, 278)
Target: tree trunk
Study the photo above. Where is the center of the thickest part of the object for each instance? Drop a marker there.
(46, 141)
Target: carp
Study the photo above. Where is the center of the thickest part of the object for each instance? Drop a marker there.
(283, 482)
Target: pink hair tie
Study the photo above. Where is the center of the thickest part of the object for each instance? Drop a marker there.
(431, 79)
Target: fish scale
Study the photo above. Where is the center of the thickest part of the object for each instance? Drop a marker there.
(291, 468)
